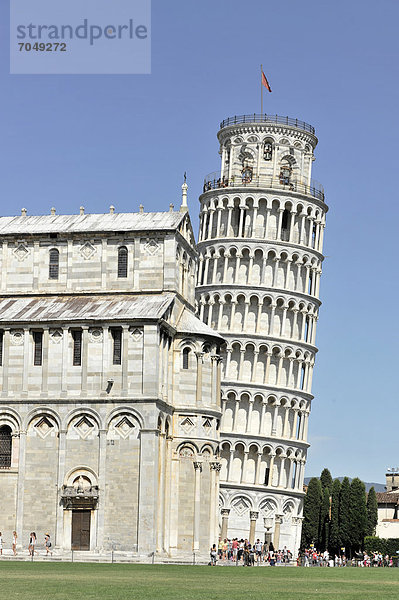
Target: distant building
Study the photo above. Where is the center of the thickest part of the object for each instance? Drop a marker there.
(388, 507)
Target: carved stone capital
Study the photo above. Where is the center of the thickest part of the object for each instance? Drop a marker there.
(253, 515)
(225, 512)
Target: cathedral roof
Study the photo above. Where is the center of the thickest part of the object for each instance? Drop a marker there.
(83, 308)
(189, 323)
(86, 223)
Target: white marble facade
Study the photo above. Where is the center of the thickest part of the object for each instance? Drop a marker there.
(109, 385)
(260, 254)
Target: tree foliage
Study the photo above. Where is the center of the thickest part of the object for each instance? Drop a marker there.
(335, 540)
(358, 514)
(326, 480)
(344, 513)
(372, 512)
(311, 513)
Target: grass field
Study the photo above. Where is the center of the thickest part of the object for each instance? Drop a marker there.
(59, 581)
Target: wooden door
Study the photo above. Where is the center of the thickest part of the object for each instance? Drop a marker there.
(81, 529)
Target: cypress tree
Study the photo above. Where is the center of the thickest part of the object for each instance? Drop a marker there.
(344, 514)
(372, 512)
(334, 539)
(326, 480)
(311, 513)
(324, 520)
(358, 514)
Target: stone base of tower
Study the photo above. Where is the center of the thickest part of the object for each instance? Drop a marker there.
(269, 516)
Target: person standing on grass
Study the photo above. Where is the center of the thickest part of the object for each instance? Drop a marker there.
(1, 543)
(14, 542)
(30, 544)
(33, 543)
(213, 555)
(47, 543)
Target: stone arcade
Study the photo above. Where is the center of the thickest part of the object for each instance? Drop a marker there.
(116, 420)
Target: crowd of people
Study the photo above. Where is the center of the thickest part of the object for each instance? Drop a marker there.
(31, 545)
(312, 558)
(247, 554)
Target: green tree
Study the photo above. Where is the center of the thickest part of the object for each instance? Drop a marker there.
(311, 513)
(372, 512)
(335, 540)
(324, 520)
(344, 514)
(358, 514)
(326, 479)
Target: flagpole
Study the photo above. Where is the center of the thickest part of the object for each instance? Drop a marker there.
(261, 90)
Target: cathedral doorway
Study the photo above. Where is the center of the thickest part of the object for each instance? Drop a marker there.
(81, 530)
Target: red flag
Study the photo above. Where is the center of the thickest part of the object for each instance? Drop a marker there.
(265, 82)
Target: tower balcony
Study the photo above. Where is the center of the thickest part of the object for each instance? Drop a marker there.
(213, 181)
(267, 119)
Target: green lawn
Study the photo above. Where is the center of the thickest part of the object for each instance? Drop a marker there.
(59, 581)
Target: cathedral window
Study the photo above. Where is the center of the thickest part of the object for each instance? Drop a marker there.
(186, 358)
(5, 447)
(267, 474)
(54, 264)
(116, 333)
(37, 348)
(77, 347)
(122, 261)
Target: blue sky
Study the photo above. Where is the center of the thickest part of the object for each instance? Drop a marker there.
(98, 140)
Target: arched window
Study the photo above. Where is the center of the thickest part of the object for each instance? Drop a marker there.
(5, 447)
(186, 357)
(54, 264)
(267, 150)
(122, 261)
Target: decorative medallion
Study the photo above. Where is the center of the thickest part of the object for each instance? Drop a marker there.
(95, 335)
(87, 250)
(186, 452)
(17, 337)
(21, 251)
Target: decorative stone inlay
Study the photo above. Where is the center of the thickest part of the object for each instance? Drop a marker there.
(136, 333)
(21, 251)
(187, 424)
(55, 335)
(186, 452)
(87, 250)
(241, 506)
(84, 427)
(125, 427)
(43, 427)
(207, 424)
(151, 247)
(17, 337)
(96, 335)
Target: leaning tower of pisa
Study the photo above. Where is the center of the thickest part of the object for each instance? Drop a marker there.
(260, 244)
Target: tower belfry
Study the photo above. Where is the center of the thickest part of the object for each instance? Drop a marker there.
(260, 242)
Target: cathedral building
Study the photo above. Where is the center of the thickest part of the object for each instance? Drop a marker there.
(155, 393)
(109, 385)
(260, 256)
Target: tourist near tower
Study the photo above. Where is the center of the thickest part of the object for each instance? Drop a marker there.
(260, 255)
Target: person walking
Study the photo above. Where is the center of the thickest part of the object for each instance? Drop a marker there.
(14, 542)
(47, 543)
(213, 555)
